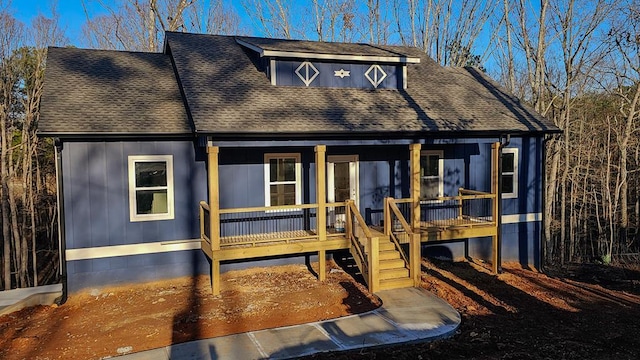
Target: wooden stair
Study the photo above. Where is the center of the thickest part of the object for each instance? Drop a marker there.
(394, 273)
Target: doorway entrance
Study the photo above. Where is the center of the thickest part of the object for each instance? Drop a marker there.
(342, 184)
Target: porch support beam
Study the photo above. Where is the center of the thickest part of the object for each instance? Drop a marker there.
(321, 200)
(415, 248)
(495, 176)
(414, 168)
(214, 215)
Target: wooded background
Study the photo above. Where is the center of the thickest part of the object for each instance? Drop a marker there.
(575, 62)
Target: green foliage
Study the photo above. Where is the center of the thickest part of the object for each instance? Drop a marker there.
(460, 55)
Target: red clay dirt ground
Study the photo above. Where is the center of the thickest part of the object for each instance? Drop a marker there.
(577, 312)
(130, 318)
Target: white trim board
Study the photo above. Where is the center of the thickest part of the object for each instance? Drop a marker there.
(521, 218)
(400, 58)
(101, 252)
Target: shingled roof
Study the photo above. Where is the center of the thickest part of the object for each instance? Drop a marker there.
(100, 92)
(226, 94)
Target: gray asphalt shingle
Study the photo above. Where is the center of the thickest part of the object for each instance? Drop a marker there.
(111, 92)
(226, 92)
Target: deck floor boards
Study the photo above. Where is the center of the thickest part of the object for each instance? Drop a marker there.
(445, 224)
(275, 237)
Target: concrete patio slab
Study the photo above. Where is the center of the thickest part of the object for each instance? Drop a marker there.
(284, 343)
(407, 315)
(17, 299)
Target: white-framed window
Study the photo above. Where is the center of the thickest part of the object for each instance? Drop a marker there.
(509, 173)
(151, 187)
(282, 179)
(431, 174)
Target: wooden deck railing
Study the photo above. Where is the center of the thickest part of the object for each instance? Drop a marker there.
(205, 228)
(468, 208)
(266, 224)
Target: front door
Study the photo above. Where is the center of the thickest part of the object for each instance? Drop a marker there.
(342, 184)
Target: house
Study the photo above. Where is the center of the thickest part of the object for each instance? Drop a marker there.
(223, 152)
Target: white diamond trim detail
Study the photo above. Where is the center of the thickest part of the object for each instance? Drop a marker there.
(342, 73)
(378, 75)
(306, 77)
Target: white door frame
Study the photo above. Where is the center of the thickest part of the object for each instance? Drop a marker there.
(354, 176)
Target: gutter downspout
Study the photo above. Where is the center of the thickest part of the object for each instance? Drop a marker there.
(504, 142)
(62, 247)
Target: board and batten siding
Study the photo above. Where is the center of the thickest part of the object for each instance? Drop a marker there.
(467, 164)
(96, 199)
(96, 205)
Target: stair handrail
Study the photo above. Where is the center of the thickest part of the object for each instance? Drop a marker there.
(415, 255)
(390, 204)
(372, 261)
(349, 229)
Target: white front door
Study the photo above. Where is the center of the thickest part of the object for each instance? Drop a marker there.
(342, 183)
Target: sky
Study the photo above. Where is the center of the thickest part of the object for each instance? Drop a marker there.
(71, 13)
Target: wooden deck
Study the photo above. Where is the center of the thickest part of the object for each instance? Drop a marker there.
(275, 243)
(275, 238)
(453, 229)
(287, 229)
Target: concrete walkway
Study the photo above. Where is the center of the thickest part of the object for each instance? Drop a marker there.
(407, 315)
(17, 299)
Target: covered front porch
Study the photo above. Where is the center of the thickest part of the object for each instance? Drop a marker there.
(387, 252)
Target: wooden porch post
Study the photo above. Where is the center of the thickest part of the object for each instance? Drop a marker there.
(374, 264)
(415, 248)
(321, 212)
(214, 216)
(414, 168)
(495, 168)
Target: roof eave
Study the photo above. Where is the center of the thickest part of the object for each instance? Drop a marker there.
(114, 135)
(322, 56)
(375, 134)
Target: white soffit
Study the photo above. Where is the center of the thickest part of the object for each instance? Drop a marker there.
(320, 56)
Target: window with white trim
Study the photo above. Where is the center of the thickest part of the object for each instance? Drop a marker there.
(282, 179)
(509, 173)
(431, 174)
(151, 187)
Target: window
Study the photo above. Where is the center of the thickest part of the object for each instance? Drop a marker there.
(282, 179)
(150, 187)
(509, 173)
(431, 174)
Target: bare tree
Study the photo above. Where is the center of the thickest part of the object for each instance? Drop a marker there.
(273, 16)
(134, 24)
(447, 30)
(333, 19)
(11, 36)
(213, 17)
(26, 208)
